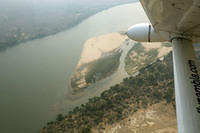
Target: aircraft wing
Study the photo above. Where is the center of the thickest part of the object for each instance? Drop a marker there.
(177, 21)
(177, 16)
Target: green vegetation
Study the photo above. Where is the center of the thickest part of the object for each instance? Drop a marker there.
(138, 48)
(138, 58)
(103, 67)
(96, 70)
(60, 117)
(86, 129)
(167, 44)
(154, 84)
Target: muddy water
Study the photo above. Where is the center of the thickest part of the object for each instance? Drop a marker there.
(34, 76)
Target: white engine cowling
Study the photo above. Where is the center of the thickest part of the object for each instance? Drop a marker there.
(144, 32)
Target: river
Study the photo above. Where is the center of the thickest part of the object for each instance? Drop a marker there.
(34, 76)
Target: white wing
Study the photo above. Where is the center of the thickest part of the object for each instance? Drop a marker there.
(178, 16)
(179, 20)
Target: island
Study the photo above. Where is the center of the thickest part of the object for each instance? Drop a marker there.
(99, 59)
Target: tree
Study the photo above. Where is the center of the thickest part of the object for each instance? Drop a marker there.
(59, 117)
(86, 129)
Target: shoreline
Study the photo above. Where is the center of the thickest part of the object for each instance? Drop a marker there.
(13, 44)
(115, 93)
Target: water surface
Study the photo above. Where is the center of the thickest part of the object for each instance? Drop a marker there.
(34, 76)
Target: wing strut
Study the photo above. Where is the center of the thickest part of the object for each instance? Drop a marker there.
(187, 86)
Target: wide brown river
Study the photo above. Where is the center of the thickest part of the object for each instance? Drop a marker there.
(34, 76)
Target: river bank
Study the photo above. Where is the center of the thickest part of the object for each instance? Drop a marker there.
(21, 32)
(136, 99)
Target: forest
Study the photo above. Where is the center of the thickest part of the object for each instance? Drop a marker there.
(152, 85)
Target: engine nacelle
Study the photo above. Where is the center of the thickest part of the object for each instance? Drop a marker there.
(144, 32)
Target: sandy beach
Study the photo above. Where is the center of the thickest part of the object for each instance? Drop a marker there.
(95, 47)
(157, 45)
